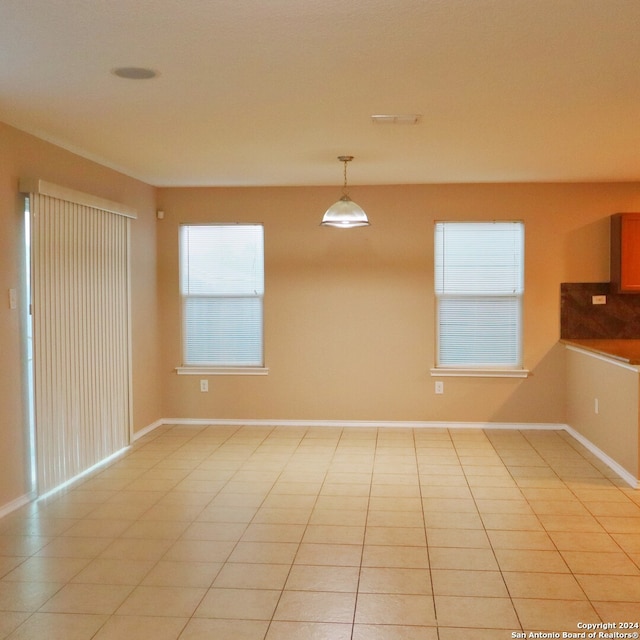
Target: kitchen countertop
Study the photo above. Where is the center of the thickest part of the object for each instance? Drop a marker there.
(627, 351)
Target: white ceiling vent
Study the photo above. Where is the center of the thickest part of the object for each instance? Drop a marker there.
(410, 118)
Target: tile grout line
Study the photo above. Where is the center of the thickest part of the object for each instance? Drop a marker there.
(306, 527)
(426, 537)
(364, 536)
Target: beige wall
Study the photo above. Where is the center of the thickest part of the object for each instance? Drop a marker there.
(22, 155)
(614, 429)
(349, 314)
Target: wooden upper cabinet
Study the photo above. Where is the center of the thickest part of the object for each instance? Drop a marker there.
(625, 253)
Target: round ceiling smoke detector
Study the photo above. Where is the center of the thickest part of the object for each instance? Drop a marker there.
(134, 73)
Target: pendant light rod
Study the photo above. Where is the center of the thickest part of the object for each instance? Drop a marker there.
(345, 160)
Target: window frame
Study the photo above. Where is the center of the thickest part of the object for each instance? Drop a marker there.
(471, 369)
(213, 368)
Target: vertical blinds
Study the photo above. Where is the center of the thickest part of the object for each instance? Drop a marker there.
(80, 303)
(479, 283)
(222, 289)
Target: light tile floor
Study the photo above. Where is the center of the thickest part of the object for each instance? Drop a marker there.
(245, 533)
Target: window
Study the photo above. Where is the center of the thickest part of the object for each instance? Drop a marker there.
(222, 290)
(479, 284)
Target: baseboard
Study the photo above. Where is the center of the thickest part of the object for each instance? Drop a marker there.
(367, 424)
(6, 509)
(603, 457)
(136, 435)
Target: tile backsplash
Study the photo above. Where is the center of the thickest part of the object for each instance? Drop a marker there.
(581, 319)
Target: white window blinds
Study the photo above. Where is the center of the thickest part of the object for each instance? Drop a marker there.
(222, 288)
(479, 283)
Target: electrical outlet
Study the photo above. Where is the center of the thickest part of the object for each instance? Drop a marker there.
(598, 299)
(13, 299)
(204, 385)
(596, 406)
(439, 387)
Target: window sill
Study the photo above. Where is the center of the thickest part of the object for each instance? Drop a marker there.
(222, 371)
(462, 372)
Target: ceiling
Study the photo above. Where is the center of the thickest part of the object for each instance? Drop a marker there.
(270, 92)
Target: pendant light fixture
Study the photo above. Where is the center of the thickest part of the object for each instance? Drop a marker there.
(345, 213)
